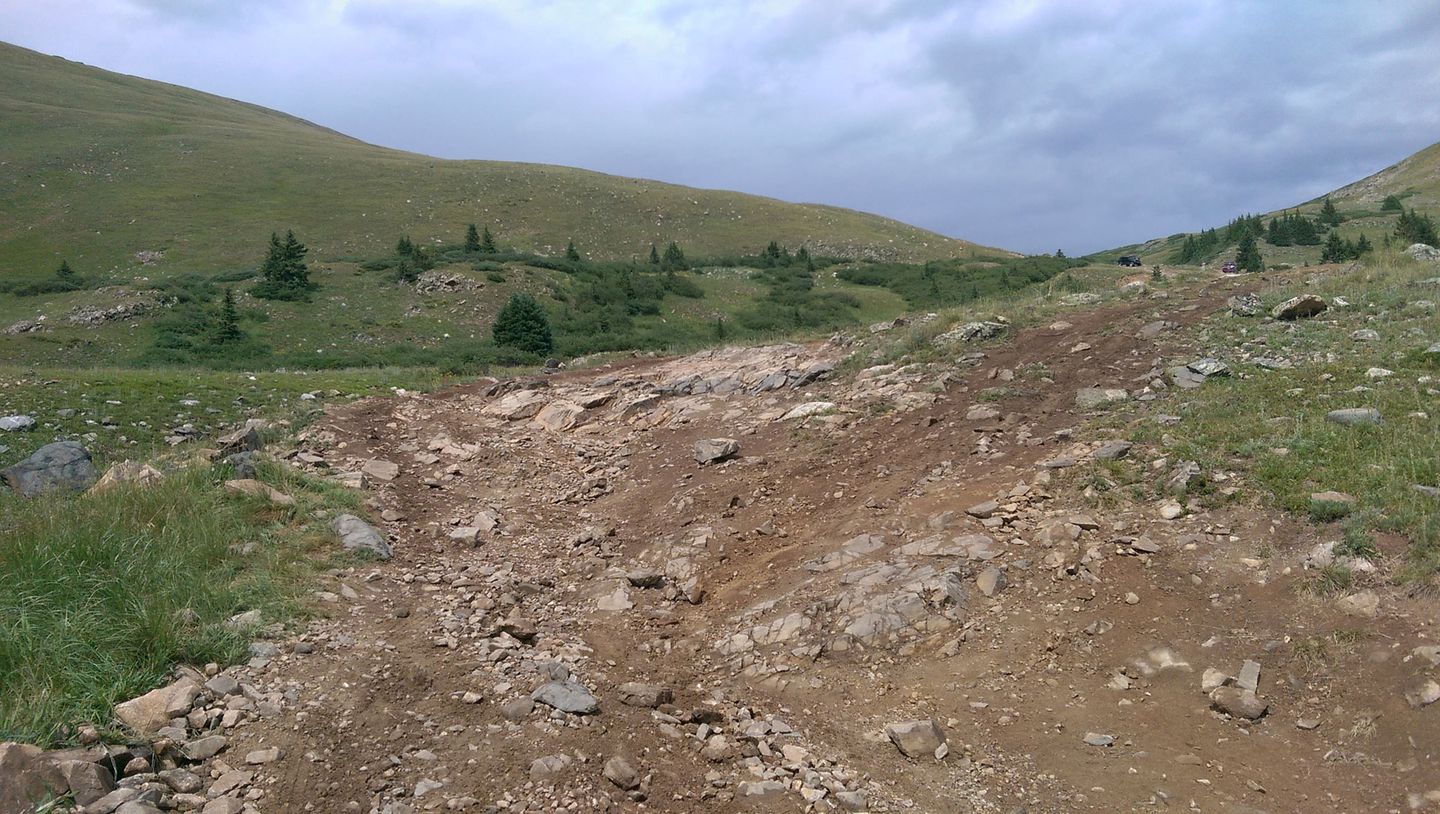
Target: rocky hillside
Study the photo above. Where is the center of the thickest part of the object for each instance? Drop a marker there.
(1044, 561)
(110, 170)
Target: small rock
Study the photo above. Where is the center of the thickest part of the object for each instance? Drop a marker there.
(916, 738)
(357, 535)
(649, 696)
(1423, 694)
(567, 696)
(619, 771)
(991, 581)
(1097, 739)
(715, 450)
(1090, 398)
(1354, 416)
(1365, 604)
(1112, 450)
(1239, 703)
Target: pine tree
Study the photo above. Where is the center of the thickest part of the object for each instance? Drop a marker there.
(487, 243)
(719, 327)
(65, 273)
(227, 327)
(571, 253)
(522, 325)
(1391, 204)
(1413, 227)
(284, 275)
(1247, 257)
(674, 259)
(1335, 249)
(654, 256)
(1059, 254)
(404, 247)
(1329, 215)
(802, 255)
(1362, 246)
(472, 239)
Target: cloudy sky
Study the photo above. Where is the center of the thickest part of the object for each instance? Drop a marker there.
(1029, 124)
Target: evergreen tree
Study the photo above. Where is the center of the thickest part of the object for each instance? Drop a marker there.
(522, 325)
(802, 255)
(1059, 254)
(227, 326)
(1335, 249)
(472, 239)
(487, 243)
(1329, 215)
(674, 259)
(654, 256)
(1362, 246)
(1413, 227)
(1247, 257)
(719, 327)
(65, 273)
(284, 274)
(1391, 204)
(571, 253)
(404, 247)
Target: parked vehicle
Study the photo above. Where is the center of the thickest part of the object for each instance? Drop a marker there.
(1132, 260)
(1230, 267)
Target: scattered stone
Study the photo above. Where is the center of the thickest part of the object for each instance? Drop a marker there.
(715, 450)
(619, 771)
(204, 748)
(63, 466)
(1090, 398)
(1112, 450)
(983, 510)
(1097, 739)
(1301, 307)
(649, 696)
(376, 469)
(260, 757)
(1423, 694)
(1249, 678)
(245, 439)
(808, 409)
(357, 535)
(1365, 335)
(1365, 604)
(1354, 416)
(127, 472)
(146, 714)
(255, 488)
(1238, 703)
(16, 423)
(567, 696)
(916, 738)
(991, 581)
(1244, 305)
(1423, 253)
(1333, 497)
(550, 767)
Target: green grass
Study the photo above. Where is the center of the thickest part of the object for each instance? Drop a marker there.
(101, 595)
(1272, 424)
(121, 413)
(100, 166)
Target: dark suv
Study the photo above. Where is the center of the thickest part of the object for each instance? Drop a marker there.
(1132, 260)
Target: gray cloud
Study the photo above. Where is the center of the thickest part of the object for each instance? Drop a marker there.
(1036, 125)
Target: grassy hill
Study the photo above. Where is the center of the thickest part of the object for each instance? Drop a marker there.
(98, 166)
(1415, 181)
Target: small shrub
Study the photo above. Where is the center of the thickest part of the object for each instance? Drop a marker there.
(1328, 511)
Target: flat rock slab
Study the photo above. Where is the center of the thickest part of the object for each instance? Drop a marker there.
(1354, 416)
(1089, 398)
(153, 710)
(63, 466)
(567, 696)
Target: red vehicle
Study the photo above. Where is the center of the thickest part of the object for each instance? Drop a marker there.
(1230, 267)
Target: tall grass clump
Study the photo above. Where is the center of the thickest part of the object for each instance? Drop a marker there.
(101, 595)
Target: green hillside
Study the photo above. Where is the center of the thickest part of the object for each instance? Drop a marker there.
(1412, 184)
(98, 166)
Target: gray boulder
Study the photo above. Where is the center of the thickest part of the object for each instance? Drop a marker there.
(63, 466)
(714, 450)
(1423, 253)
(16, 423)
(916, 738)
(357, 535)
(566, 696)
(1301, 307)
(1239, 703)
(1354, 416)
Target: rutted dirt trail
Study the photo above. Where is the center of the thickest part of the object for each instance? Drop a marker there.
(912, 545)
